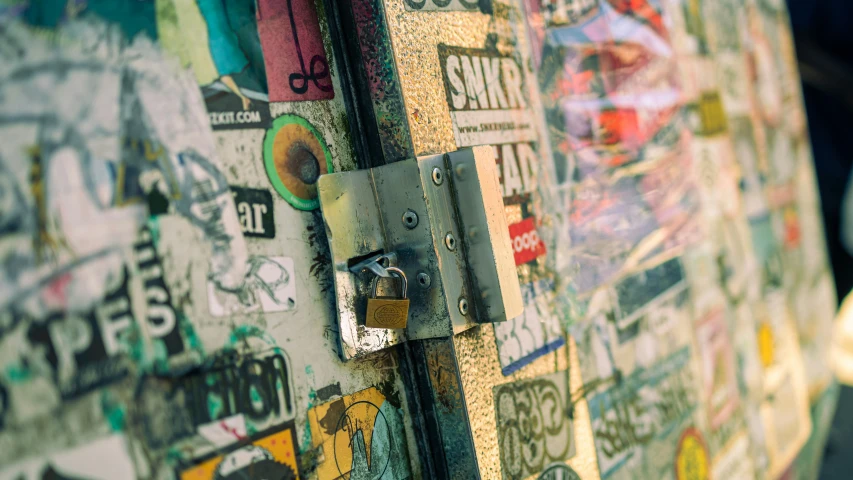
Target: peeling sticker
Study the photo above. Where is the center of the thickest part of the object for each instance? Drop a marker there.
(329, 391)
(485, 95)
(231, 398)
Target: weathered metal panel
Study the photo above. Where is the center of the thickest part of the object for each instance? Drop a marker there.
(257, 309)
(167, 295)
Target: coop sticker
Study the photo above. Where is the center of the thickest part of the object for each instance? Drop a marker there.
(526, 244)
(691, 460)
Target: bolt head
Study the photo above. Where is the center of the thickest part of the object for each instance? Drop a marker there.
(424, 280)
(410, 219)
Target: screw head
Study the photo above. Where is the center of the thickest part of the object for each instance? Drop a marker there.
(437, 176)
(450, 242)
(463, 306)
(410, 219)
(424, 280)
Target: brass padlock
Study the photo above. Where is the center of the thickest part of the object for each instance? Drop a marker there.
(388, 312)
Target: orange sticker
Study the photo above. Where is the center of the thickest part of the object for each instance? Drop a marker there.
(691, 459)
(270, 455)
(766, 347)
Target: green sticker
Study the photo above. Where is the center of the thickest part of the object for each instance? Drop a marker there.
(295, 155)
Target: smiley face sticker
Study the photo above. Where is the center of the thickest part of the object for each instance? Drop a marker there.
(295, 155)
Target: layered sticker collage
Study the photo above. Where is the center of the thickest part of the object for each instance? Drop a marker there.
(168, 307)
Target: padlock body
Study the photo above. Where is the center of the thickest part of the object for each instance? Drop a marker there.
(387, 312)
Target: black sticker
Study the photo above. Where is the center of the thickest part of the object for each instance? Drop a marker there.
(84, 350)
(254, 208)
(228, 111)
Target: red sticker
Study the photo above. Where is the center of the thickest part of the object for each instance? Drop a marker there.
(526, 244)
(297, 68)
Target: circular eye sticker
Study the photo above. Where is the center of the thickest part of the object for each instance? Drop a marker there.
(295, 156)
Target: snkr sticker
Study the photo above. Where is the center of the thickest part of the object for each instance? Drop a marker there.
(485, 94)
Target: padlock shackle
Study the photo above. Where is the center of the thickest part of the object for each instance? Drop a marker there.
(395, 272)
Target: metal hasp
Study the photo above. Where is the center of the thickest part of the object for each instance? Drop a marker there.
(452, 231)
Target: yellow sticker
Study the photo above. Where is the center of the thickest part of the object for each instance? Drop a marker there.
(360, 437)
(691, 459)
(766, 348)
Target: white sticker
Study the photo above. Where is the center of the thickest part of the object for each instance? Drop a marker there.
(535, 333)
(224, 432)
(104, 459)
(270, 286)
(485, 95)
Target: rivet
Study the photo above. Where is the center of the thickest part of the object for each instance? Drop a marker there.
(473, 233)
(463, 306)
(450, 242)
(460, 171)
(424, 280)
(437, 176)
